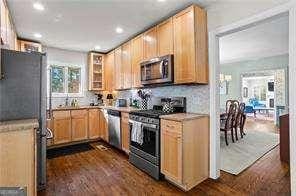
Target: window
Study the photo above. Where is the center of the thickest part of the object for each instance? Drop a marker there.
(74, 80)
(57, 79)
(66, 80)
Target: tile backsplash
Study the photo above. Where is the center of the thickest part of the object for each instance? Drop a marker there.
(85, 100)
(197, 96)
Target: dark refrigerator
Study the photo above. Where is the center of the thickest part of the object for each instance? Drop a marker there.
(23, 96)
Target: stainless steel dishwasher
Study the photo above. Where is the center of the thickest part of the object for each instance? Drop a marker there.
(114, 128)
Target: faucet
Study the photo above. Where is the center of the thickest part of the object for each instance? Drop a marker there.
(67, 101)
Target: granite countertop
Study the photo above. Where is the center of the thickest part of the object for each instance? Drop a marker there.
(121, 109)
(183, 116)
(18, 125)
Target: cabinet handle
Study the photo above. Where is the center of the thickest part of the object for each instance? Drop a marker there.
(170, 126)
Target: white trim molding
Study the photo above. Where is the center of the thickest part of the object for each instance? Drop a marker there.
(292, 95)
(214, 106)
(288, 9)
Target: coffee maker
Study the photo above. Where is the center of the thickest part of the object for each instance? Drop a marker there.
(100, 99)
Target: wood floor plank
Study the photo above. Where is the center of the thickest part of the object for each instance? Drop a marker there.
(92, 171)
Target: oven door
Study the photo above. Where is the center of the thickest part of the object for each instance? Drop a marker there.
(149, 150)
(158, 70)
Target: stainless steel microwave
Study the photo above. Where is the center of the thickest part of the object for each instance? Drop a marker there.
(157, 70)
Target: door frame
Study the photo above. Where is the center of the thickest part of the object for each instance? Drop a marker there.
(290, 10)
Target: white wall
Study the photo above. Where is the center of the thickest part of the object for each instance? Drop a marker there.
(223, 12)
(56, 56)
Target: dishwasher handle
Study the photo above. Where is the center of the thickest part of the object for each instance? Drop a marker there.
(114, 113)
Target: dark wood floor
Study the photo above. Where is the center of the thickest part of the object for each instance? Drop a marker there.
(86, 170)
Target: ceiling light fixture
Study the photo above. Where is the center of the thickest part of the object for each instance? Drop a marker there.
(37, 35)
(119, 30)
(97, 47)
(38, 6)
(161, 0)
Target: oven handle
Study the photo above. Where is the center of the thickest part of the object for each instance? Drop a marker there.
(161, 68)
(145, 124)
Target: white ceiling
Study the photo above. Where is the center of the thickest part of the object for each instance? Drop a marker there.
(82, 24)
(270, 38)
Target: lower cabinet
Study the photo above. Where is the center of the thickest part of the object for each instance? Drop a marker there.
(83, 124)
(79, 124)
(125, 132)
(171, 149)
(62, 127)
(69, 126)
(104, 125)
(18, 161)
(185, 151)
(93, 123)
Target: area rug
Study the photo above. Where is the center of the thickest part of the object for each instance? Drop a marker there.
(238, 156)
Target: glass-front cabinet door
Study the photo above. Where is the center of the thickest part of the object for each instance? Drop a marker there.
(96, 71)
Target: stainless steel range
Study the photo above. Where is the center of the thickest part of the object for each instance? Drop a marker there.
(145, 144)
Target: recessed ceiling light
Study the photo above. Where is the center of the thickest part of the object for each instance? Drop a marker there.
(37, 35)
(58, 18)
(161, 0)
(97, 47)
(119, 30)
(38, 6)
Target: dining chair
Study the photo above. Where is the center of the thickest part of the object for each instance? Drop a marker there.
(228, 103)
(227, 124)
(240, 120)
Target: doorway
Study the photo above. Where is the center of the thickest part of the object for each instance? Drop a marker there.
(288, 9)
(252, 77)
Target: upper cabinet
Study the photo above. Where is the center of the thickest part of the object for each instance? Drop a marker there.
(150, 43)
(28, 46)
(137, 51)
(8, 33)
(118, 71)
(190, 46)
(165, 38)
(184, 36)
(109, 72)
(96, 70)
(126, 65)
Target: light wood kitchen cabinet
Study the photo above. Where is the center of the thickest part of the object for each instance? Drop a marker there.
(137, 51)
(3, 12)
(104, 134)
(171, 148)
(109, 72)
(126, 65)
(125, 132)
(96, 71)
(190, 46)
(185, 151)
(118, 71)
(165, 38)
(18, 160)
(150, 43)
(8, 33)
(61, 127)
(93, 123)
(28, 46)
(79, 119)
